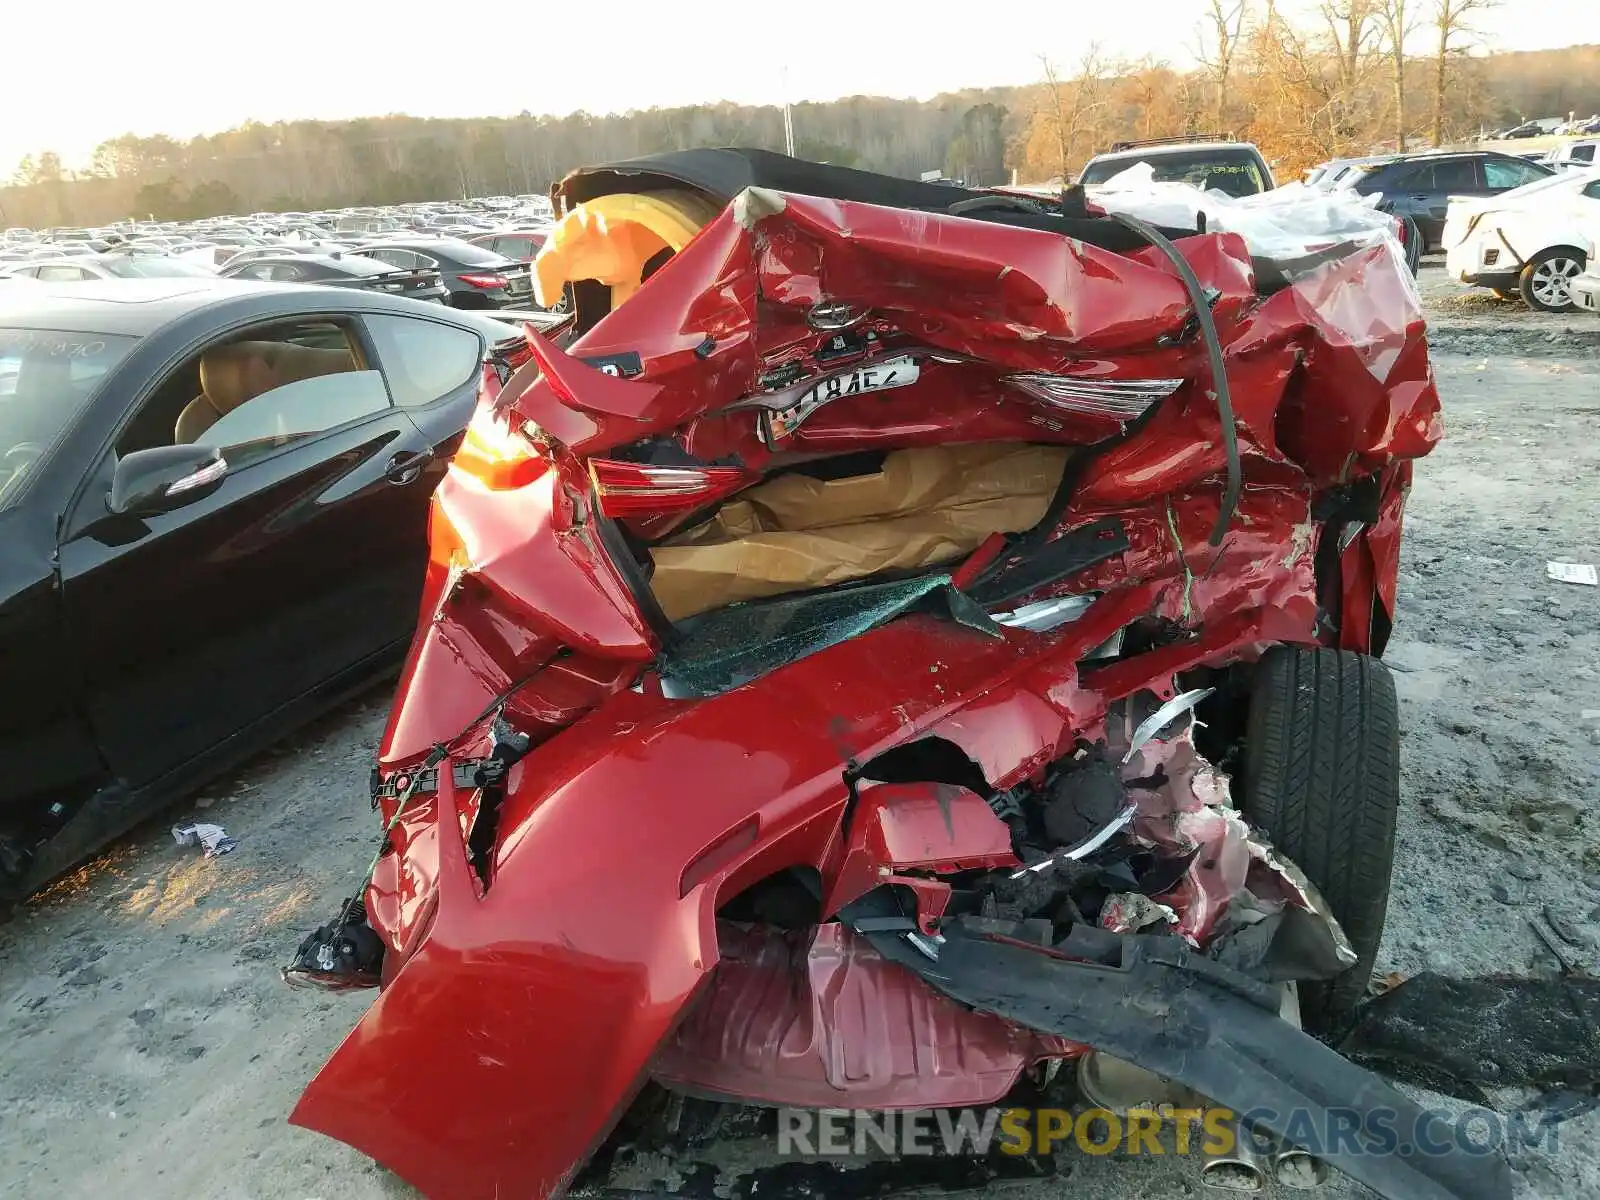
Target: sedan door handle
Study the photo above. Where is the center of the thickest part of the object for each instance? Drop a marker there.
(404, 468)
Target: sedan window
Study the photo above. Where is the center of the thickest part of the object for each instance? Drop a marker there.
(294, 411)
(1501, 175)
(1455, 175)
(424, 360)
(261, 392)
(1592, 191)
(405, 260)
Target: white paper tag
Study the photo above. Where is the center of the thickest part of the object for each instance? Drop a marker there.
(1583, 573)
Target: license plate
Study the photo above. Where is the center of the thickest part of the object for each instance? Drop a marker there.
(879, 376)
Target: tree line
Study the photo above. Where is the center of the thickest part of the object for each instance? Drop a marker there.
(1331, 80)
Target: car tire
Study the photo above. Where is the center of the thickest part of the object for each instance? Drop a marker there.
(1322, 780)
(1545, 279)
(1414, 245)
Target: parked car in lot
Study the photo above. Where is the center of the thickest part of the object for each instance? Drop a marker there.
(213, 499)
(475, 277)
(1575, 156)
(415, 281)
(520, 245)
(1585, 288)
(83, 267)
(1531, 242)
(1236, 168)
(1338, 172)
(1420, 186)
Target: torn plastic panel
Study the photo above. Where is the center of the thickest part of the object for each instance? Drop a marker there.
(1151, 1001)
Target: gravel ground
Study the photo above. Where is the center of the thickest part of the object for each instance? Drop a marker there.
(149, 1049)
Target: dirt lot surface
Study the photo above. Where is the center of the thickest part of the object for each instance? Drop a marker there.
(149, 1049)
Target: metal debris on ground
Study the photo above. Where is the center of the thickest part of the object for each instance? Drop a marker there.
(213, 839)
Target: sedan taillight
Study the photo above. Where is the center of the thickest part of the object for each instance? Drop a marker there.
(630, 489)
(484, 281)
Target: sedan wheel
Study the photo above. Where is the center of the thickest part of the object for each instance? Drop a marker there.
(1546, 282)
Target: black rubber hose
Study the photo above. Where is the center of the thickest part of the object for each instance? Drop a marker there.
(1219, 372)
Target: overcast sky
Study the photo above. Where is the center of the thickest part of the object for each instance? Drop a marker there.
(182, 68)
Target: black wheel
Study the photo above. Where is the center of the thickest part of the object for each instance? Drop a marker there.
(1414, 244)
(1546, 282)
(1322, 781)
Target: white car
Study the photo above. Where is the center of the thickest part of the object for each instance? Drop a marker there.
(1532, 241)
(1585, 288)
(1576, 156)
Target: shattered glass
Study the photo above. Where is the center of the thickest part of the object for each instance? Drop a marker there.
(720, 650)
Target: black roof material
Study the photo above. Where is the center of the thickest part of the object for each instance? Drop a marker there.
(724, 173)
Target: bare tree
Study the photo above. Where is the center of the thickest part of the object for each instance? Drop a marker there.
(1450, 21)
(1399, 19)
(1073, 106)
(1220, 34)
(1056, 99)
(1354, 31)
(1310, 85)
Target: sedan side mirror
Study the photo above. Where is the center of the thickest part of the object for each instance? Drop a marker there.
(163, 478)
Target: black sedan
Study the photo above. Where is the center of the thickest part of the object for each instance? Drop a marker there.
(476, 277)
(1419, 186)
(213, 509)
(415, 281)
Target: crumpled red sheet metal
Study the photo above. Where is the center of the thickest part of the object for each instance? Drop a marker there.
(814, 1018)
(520, 1016)
(1015, 300)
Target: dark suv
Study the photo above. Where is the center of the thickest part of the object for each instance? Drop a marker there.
(1420, 186)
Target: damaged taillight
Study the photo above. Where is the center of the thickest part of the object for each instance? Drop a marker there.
(630, 489)
(1120, 399)
(501, 456)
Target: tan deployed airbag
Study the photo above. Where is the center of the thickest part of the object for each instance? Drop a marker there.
(925, 507)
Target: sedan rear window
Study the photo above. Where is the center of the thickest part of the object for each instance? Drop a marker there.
(46, 379)
(359, 264)
(1228, 171)
(469, 255)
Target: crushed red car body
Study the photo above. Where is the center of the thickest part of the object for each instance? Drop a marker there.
(751, 673)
